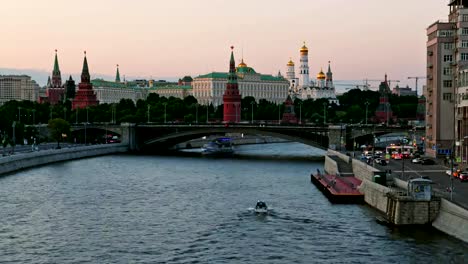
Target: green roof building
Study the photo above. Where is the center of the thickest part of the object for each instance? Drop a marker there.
(209, 88)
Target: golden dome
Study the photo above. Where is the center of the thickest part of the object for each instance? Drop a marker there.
(321, 75)
(242, 64)
(290, 63)
(304, 49)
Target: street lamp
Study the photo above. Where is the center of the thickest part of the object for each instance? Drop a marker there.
(300, 112)
(14, 138)
(388, 112)
(367, 105)
(279, 114)
(165, 104)
(207, 113)
(324, 113)
(64, 113)
(50, 113)
(34, 116)
(148, 113)
(85, 131)
(196, 113)
(341, 134)
(19, 114)
(252, 105)
(76, 116)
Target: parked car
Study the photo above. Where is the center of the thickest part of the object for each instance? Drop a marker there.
(448, 172)
(426, 161)
(463, 176)
(381, 161)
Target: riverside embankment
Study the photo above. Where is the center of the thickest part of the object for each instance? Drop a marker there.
(399, 209)
(21, 161)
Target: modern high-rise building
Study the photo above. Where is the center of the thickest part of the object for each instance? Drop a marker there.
(458, 18)
(447, 84)
(441, 61)
(18, 87)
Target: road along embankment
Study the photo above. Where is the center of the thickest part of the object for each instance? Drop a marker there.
(400, 209)
(33, 159)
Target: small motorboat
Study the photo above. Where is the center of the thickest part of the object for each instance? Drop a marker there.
(261, 208)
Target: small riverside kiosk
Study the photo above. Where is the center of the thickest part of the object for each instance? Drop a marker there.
(420, 189)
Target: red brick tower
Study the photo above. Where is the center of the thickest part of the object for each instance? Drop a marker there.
(231, 97)
(85, 95)
(288, 115)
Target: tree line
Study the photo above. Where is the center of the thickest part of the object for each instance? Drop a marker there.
(351, 109)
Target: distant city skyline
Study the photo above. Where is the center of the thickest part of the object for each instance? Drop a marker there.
(152, 38)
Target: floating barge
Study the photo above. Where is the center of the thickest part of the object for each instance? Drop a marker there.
(339, 189)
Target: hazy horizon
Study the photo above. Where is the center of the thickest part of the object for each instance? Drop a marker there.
(363, 39)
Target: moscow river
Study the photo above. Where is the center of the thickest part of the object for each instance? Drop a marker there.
(172, 209)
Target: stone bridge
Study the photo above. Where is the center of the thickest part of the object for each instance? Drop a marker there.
(151, 137)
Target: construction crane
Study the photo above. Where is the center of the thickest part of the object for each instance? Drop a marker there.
(416, 78)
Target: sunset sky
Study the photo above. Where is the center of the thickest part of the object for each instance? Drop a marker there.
(155, 38)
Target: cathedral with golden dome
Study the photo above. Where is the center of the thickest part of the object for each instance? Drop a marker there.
(302, 87)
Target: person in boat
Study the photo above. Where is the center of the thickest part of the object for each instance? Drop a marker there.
(261, 205)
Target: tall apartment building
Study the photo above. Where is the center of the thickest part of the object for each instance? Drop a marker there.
(18, 87)
(447, 84)
(458, 16)
(440, 88)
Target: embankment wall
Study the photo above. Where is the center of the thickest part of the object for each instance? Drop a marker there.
(452, 220)
(28, 160)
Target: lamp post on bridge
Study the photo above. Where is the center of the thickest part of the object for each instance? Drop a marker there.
(300, 113)
(34, 116)
(148, 113)
(324, 113)
(196, 113)
(165, 104)
(367, 105)
(388, 113)
(279, 114)
(252, 106)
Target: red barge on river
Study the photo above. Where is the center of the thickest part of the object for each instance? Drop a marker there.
(338, 189)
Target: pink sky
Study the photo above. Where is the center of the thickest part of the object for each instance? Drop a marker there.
(362, 38)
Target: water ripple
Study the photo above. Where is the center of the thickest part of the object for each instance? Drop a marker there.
(138, 209)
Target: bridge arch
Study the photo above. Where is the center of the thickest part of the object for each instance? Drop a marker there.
(318, 140)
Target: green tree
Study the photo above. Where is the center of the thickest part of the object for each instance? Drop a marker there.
(58, 128)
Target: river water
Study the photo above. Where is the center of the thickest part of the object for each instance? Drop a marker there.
(156, 209)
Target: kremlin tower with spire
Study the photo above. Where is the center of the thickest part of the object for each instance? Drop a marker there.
(55, 90)
(85, 95)
(232, 97)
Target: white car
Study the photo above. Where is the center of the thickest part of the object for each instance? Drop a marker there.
(448, 172)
